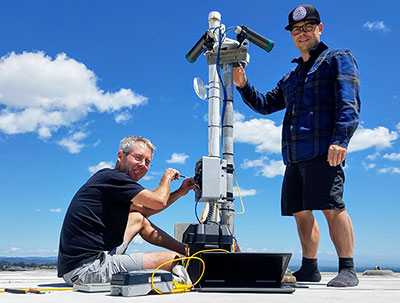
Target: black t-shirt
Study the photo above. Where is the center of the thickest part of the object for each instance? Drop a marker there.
(96, 218)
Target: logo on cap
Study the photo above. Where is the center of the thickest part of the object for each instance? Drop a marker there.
(299, 13)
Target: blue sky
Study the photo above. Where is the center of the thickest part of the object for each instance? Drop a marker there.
(78, 76)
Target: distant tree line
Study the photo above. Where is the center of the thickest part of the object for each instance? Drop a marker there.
(19, 266)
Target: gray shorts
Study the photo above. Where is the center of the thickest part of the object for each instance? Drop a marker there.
(101, 269)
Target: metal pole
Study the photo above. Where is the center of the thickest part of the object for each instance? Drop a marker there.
(214, 21)
(227, 147)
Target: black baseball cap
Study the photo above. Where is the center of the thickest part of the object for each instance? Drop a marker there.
(302, 13)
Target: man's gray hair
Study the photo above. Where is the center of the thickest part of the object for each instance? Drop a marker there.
(128, 143)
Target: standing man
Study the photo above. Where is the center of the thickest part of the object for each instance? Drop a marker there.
(109, 210)
(321, 97)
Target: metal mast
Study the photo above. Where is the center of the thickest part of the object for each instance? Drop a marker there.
(214, 21)
(227, 147)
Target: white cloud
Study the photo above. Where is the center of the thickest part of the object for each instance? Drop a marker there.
(260, 132)
(390, 170)
(95, 144)
(55, 210)
(376, 26)
(244, 192)
(273, 169)
(237, 116)
(14, 249)
(379, 137)
(392, 156)
(101, 165)
(47, 251)
(72, 143)
(373, 156)
(41, 94)
(147, 178)
(138, 240)
(122, 117)
(21, 252)
(368, 166)
(269, 169)
(398, 126)
(253, 163)
(179, 158)
(248, 249)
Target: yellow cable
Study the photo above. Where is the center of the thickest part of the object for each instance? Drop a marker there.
(181, 288)
(240, 196)
(241, 201)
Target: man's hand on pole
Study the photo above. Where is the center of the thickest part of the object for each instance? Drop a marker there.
(336, 154)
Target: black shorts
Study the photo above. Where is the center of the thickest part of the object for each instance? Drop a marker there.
(312, 185)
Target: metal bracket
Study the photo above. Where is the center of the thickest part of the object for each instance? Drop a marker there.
(228, 56)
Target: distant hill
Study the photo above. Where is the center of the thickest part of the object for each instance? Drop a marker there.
(27, 263)
(30, 260)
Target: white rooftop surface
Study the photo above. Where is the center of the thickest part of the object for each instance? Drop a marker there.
(371, 289)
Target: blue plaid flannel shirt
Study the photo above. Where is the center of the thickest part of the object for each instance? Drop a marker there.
(322, 108)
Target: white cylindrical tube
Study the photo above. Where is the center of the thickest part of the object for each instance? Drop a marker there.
(214, 20)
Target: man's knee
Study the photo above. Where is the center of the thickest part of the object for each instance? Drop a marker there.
(303, 215)
(135, 225)
(155, 259)
(332, 214)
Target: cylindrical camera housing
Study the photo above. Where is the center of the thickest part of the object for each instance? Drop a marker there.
(256, 38)
(197, 49)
